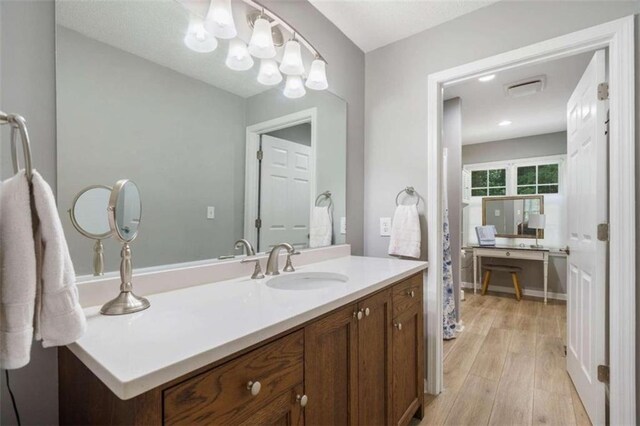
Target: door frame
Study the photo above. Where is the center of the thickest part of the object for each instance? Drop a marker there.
(618, 37)
(251, 176)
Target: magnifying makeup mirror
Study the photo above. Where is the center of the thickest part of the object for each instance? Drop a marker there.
(88, 215)
(124, 212)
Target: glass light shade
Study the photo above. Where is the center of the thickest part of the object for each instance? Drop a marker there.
(294, 88)
(317, 79)
(261, 43)
(537, 221)
(219, 20)
(238, 58)
(197, 38)
(292, 59)
(269, 73)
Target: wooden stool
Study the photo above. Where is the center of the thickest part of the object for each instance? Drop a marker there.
(513, 270)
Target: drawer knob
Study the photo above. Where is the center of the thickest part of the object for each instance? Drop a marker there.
(398, 325)
(508, 253)
(302, 399)
(358, 314)
(254, 387)
(411, 293)
(367, 311)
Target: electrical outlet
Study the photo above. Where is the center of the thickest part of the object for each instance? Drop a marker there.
(343, 225)
(211, 212)
(385, 226)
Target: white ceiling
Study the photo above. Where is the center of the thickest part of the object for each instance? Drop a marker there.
(371, 24)
(154, 30)
(484, 105)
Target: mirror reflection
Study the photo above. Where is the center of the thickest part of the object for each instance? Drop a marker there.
(218, 155)
(126, 208)
(512, 215)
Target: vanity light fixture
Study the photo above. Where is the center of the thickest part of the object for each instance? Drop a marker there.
(317, 78)
(294, 88)
(269, 73)
(197, 38)
(504, 123)
(219, 20)
(238, 57)
(292, 59)
(261, 44)
(486, 78)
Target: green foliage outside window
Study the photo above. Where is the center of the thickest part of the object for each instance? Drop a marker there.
(488, 182)
(541, 179)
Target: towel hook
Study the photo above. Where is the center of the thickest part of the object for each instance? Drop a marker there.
(411, 192)
(18, 124)
(327, 195)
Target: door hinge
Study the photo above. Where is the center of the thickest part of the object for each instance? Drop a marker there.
(259, 155)
(603, 91)
(567, 250)
(258, 223)
(603, 373)
(603, 232)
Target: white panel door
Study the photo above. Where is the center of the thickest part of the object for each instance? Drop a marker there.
(285, 192)
(586, 265)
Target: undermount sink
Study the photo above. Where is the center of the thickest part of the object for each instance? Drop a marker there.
(307, 280)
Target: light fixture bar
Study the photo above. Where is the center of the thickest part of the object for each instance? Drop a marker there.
(277, 20)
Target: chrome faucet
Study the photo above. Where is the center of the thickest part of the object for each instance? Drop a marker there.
(272, 263)
(248, 248)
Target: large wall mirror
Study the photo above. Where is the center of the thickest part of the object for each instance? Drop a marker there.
(510, 215)
(135, 102)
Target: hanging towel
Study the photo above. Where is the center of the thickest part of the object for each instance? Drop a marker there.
(405, 232)
(59, 318)
(321, 229)
(18, 273)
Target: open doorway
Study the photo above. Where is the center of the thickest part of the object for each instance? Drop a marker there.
(583, 105)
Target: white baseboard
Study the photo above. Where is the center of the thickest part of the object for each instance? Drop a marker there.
(510, 290)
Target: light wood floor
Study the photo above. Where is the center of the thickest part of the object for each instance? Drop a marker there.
(507, 367)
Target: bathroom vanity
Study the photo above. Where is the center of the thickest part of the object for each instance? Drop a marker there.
(252, 352)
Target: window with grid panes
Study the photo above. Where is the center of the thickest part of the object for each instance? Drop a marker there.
(488, 182)
(537, 179)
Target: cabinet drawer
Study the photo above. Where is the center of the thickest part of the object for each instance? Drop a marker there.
(406, 294)
(221, 396)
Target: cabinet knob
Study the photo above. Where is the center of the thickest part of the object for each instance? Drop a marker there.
(398, 325)
(358, 314)
(302, 400)
(367, 311)
(411, 293)
(508, 253)
(254, 387)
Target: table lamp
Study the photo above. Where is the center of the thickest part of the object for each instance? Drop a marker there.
(536, 221)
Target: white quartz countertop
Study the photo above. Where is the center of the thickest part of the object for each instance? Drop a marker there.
(189, 328)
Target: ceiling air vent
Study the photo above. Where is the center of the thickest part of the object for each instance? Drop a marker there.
(525, 87)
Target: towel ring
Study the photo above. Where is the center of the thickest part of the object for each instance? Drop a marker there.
(327, 195)
(18, 123)
(411, 192)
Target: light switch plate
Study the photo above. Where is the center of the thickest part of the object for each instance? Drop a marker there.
(385, 226)
(343, 225)
(211, 212)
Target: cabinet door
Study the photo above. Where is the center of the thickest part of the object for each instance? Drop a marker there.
(283, 410)
(408, 364)
(331, 369)
(374, 359)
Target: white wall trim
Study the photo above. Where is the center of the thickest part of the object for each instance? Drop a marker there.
(253, 133)
(527, 292)
(618, 36)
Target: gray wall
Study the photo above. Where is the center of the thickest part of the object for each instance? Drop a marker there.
(331, 173)
(396, 99)
(300, 133)
(181, 140)
(510, 149)
(452, 140)
(27, 61)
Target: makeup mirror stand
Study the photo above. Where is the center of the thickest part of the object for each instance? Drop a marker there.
(98, 258)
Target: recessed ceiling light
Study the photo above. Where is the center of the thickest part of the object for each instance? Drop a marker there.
(504, 123)
(486, 78)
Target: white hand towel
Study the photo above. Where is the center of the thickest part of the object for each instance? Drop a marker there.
(59, 317)
(18, 274)
(321, 229)
(405, 232)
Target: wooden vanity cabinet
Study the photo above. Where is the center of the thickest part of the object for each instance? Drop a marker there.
(361, 364)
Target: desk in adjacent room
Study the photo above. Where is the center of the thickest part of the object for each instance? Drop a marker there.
(511, 252)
